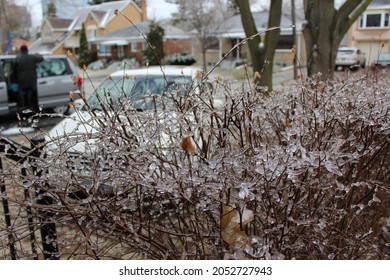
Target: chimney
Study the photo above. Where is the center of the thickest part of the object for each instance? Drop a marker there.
(142, 5)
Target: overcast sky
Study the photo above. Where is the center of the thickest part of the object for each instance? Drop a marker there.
(157, 9)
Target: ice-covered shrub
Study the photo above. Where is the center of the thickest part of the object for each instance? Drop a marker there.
(301, 174)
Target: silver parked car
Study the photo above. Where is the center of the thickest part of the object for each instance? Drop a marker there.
(54, 83)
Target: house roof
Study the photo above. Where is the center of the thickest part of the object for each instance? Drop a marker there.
(132, 33)
(59, 23)
(102, 13)
(41, 48)
(233, 28)
(379, 4)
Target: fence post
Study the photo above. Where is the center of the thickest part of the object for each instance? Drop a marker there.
(47, 224)
(30, 220)
(7, 216)
(16, 152)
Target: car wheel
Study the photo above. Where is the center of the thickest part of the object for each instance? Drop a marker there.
(355, 67)
(61, 110)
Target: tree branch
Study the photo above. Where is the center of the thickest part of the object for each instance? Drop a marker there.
(349, 12)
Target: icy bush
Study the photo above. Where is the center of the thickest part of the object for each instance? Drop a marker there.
(301, 174)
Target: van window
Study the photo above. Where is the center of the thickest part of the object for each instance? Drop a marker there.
(53, 67)
(8, 70)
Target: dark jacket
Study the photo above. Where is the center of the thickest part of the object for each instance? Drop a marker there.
(26, 70)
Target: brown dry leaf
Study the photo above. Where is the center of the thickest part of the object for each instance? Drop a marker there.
(228, 214)
(321, 87)
(75, 79)
(218, 79)
(293, 52)
(257, 76)
(188, 145)
(230, 226)
(71, 95)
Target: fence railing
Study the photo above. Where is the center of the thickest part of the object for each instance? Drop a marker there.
(40, 220)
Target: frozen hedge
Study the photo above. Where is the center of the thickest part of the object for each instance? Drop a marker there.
(301, 174)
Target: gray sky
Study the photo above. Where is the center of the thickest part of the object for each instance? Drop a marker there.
(157, 9)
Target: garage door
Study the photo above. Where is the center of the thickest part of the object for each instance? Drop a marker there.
(372, 50)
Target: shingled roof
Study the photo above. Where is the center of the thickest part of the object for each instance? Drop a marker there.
(232, 27)
(103, 13)
(132, 34)
(380, 3)
(59, 23)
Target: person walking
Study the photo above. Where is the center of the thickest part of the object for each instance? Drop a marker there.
(26, 75)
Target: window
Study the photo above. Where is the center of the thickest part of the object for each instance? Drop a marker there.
(121, 51)
(134, 47)
(91, 32)
(212, 43)
(104, 50)
(285, 42)
(375, 20)
(46, 34)
(51, 67)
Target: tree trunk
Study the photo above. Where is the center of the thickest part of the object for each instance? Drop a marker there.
(250, 30)
(324, 30)
(271, 41)
(204, 62)
(319, 37)
(262, 57)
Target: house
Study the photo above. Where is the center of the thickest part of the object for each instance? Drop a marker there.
(129, 41)
(371, 32)
(60, 35)
(231, 33)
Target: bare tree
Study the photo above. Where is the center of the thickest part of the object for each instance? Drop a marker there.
(324, 29)
(201, 18)
(262, 53)
(14, 20)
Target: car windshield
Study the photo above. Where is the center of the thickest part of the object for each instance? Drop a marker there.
(384, 56)
(135, 89)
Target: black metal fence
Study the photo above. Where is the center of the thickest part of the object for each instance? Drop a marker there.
(40, 218)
